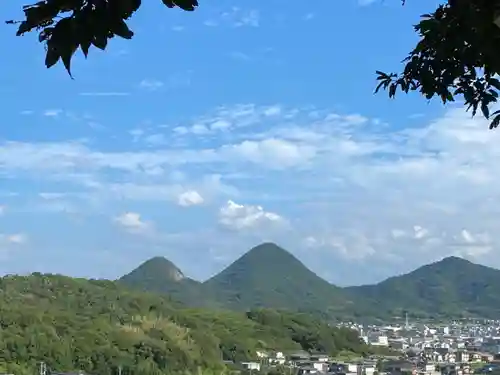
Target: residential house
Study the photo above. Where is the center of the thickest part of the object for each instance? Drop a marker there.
(428, 369)
(319, 358)
(262, 354)
(277, 359)
(251, 365)
(462, 356)
(299, 356)
(365, 369)
(487, 357)
(307, 370)
(320, 366)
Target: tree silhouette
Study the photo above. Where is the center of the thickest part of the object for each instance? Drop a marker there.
(457, 55)
(64, 26)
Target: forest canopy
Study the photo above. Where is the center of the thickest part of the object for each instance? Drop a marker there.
(98, 327)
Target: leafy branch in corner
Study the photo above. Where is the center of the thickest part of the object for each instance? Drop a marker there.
(64, 26)
(456, 55)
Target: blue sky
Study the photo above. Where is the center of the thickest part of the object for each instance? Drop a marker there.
(212, 131)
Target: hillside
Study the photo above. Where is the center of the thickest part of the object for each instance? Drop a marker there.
(269, 276)
(96, 326)
(160, 275)
(451, 287)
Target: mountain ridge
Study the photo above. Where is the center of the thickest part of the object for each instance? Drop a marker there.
(158, 274)
(269, 276)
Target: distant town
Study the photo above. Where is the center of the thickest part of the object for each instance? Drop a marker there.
(454, 348)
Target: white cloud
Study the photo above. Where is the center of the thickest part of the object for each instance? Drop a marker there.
(235, 17)
(51, 196)
(2, 210)
(14, 239)
(473, 245)
(249, 18)
(272, 152)
(151, 84)
(190, 198)
(133, 223)
(238, 217)
(356, 188)
(52, 112)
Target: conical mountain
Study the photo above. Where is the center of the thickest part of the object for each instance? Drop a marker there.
(160, 275)
(269, 276)
(452, 286)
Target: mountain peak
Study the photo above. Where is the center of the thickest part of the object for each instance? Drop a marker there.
(453, 258)
(451, 262)
(268, 251)
(158, 268)
(270, 276)
(262, 259)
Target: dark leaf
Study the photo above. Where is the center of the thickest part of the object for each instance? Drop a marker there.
(168, 3)
(100, 41)
(85, 45)
(188, 5)
(51, 57)
(392, 90)
(496, 121)
(23, 28)
(121, 29)
(65, 40)
(495, 83)
(485, 110)
(379, 86)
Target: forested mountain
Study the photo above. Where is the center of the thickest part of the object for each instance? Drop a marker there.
(97, 326)
(450, 287)
(269, 276)
(162, 276)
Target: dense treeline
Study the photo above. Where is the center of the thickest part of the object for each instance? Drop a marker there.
(97, 326)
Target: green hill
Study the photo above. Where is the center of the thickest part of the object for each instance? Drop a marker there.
(160, 275)
(97, 326)
(269, 276)
(450, 287)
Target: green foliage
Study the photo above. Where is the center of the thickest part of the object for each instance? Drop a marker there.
(82, 24)
(312, 334)
(453, 287)
(97, 326)
(456, 55)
